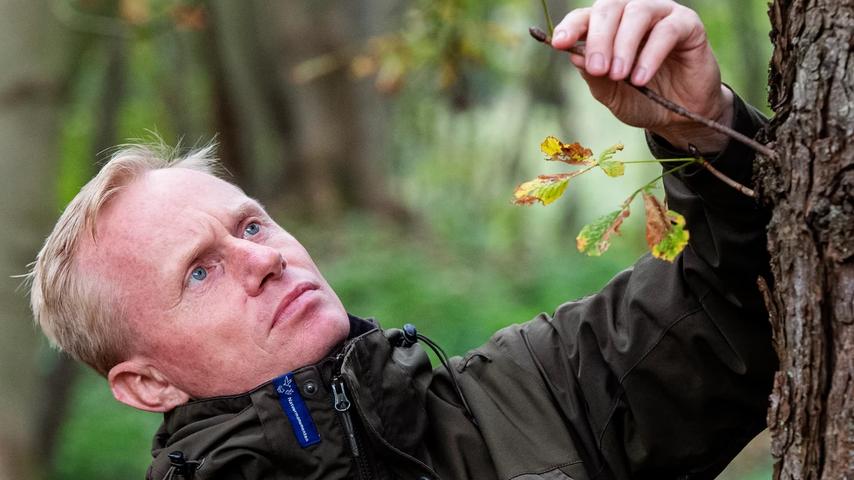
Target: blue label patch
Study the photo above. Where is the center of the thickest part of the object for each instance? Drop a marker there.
(294, 407)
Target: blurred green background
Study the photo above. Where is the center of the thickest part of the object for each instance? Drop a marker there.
(386, 134)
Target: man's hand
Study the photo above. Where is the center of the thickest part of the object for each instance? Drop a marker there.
(657, 43)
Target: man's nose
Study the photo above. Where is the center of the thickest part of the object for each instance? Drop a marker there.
(257, 265)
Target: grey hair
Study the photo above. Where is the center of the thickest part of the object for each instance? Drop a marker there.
(73, 308)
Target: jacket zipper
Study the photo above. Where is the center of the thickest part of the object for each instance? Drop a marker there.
(342, 406)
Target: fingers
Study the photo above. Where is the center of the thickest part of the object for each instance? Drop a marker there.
(672, 30)
(615, 31)
(604, 19)
(638, 19)
(571, 29)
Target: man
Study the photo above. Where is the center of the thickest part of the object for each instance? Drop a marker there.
(192, 301)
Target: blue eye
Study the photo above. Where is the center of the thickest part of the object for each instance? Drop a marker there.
(252, 229)
(199, 273)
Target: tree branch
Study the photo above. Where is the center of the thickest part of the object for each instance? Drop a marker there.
(714, 171)
(578, 49)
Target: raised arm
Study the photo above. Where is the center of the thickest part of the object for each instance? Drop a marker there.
(672, 362)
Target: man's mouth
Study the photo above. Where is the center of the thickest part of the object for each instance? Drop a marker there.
(291, 301)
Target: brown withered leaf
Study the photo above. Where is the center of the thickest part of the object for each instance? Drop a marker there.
(570, 153)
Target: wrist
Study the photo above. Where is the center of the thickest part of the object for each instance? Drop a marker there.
(681, 134)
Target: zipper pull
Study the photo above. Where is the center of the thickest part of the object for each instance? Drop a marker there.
(342, 405)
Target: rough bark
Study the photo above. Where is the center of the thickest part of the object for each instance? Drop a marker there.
(811, 237)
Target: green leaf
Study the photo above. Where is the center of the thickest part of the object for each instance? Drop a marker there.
(570, 153)
(545, 189)
(594, 238)
(674, 241)
(613, 168)
(609, 152)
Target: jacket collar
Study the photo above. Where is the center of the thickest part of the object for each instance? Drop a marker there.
(387, 380)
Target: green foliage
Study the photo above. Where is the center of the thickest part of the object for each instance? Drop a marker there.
(102, 439)
(456, 296)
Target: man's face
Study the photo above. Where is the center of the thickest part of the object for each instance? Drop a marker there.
(217, 296)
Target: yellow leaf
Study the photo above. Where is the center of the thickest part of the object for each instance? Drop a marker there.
(665, 229)
(550, 146)
(544, 189)
(613, 168)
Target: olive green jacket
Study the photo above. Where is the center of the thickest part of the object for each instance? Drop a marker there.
(664, 374)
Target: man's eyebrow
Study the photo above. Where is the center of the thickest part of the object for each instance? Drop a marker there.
(245, 209)
(248, 208)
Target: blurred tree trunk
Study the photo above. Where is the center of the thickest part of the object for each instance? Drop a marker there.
(748, 33)
(32, 57)
(319, 137)
(62, 376)
(811, 238)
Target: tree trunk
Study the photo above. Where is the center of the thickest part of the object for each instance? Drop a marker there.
(322, 139)
(32, 60)
(811, 238)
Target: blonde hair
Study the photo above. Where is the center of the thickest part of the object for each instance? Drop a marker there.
(73, 309)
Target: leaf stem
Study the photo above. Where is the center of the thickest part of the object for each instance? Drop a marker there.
(663, 160)
(631, 197)
(548, 17)
(721, 176)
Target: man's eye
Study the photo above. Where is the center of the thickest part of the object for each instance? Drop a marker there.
(199, 274)
(252, 229)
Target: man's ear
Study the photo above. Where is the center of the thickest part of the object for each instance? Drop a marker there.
(137, 383)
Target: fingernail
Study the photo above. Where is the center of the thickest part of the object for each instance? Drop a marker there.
(596, 62)
(617, 67)
(559, 35)
(640, 76)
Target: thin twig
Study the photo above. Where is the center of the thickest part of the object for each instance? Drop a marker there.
(578, 49)
(548, 17)
(714, 171)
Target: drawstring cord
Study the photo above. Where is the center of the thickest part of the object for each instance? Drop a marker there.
(180, 467)
(411, 336)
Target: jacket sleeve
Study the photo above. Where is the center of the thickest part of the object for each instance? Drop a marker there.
(671, 364)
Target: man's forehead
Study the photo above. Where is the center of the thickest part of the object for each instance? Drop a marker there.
(166, 207)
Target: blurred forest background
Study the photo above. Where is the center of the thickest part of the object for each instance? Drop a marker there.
(386, 134)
